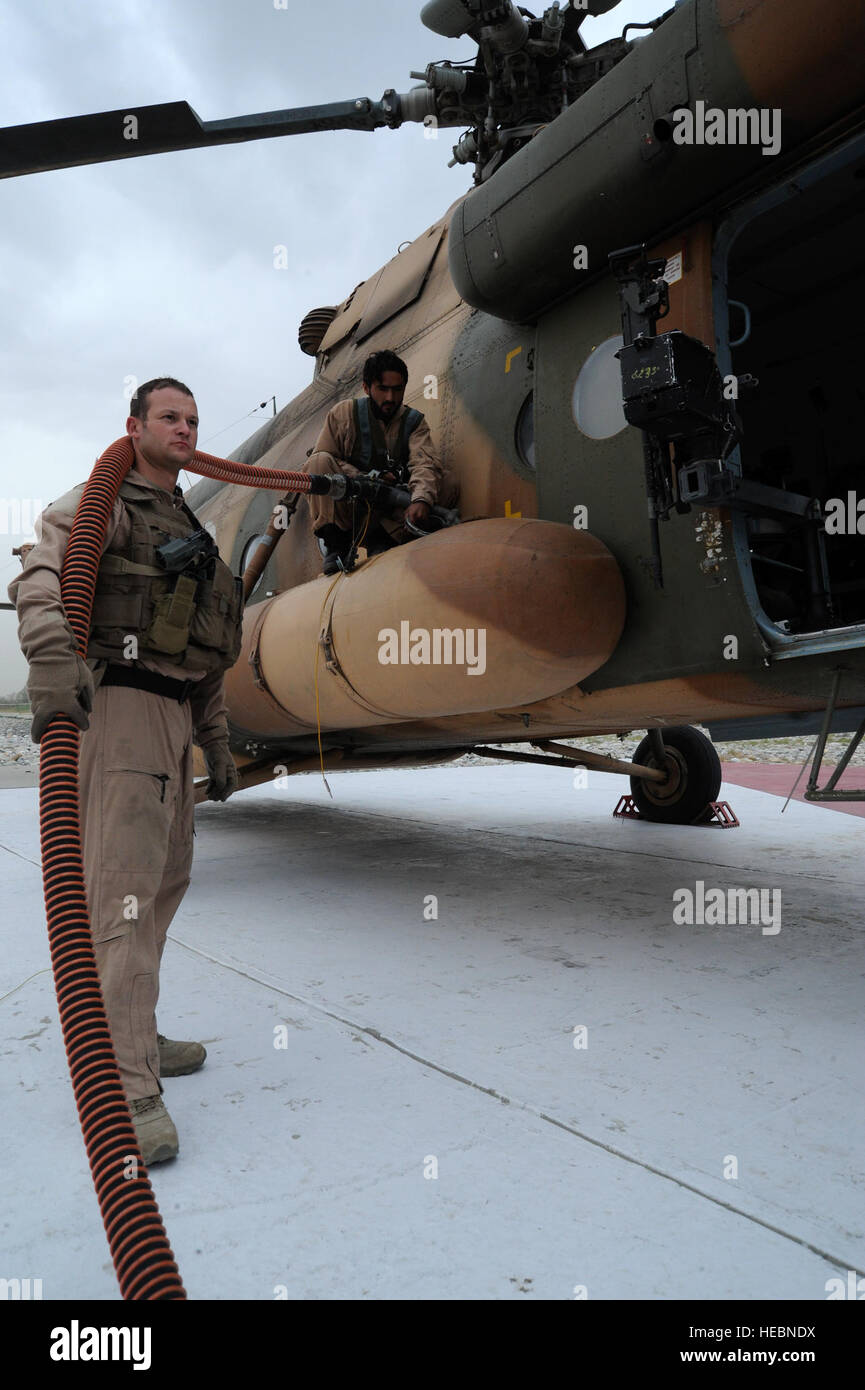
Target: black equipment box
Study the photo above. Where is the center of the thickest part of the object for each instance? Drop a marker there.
(672, 387)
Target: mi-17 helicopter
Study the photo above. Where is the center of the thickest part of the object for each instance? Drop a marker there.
(633, 342)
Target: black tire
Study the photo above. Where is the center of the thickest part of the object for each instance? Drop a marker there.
(694, 777)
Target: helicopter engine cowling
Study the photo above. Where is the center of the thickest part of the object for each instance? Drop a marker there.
(486, 615)
(616, 168)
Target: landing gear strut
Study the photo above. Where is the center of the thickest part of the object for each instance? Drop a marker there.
(675, 773)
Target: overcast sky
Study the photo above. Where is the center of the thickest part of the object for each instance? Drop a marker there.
(165, 265)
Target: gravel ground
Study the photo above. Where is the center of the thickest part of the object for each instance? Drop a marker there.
(16, 749)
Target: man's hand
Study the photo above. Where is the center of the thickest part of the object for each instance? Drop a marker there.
(63, 686)
(222, 772)
(418, 513)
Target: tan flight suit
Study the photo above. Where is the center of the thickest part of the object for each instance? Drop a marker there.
(136, 793)
(333, 450)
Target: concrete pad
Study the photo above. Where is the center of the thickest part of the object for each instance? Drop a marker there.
(429, 946)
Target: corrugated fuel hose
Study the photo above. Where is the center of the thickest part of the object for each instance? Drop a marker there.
(139, 1246)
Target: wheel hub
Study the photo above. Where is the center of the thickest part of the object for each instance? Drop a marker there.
(665, 793)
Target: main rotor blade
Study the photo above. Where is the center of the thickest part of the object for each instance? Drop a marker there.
(141, 130)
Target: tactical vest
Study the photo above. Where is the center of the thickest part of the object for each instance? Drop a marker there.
(196, 623)
(370, 451)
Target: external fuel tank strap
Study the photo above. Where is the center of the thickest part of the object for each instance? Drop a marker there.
(258, 677)
(325, 641)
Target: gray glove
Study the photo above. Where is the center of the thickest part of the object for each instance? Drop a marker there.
(222, 772)
(62, 685)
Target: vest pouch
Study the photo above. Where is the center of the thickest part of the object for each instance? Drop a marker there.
(172, 617)
(217, 621)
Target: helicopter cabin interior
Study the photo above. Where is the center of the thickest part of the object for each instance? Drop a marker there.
(790, 266)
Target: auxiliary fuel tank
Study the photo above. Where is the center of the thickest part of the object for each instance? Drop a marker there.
(486, 615)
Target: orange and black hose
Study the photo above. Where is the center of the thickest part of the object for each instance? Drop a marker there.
(142, 1256)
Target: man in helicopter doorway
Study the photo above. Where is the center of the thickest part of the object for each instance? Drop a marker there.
(165, 624)
(375, 433)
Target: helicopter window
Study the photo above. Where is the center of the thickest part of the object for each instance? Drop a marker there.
(525, 433)
(597, 402)
(247, 556)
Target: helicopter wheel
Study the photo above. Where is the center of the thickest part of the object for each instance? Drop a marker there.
(694, 777)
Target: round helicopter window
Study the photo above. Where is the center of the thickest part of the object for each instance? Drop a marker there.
(597, 402)
(525, 432)
(248, 551)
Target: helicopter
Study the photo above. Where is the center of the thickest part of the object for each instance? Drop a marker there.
(655, 442)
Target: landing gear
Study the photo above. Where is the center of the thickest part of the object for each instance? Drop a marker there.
(693, 775)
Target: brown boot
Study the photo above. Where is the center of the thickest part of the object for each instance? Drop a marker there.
(179, 1058)
(157, 1137)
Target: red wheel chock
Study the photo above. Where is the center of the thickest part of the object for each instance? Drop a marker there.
(716, 813)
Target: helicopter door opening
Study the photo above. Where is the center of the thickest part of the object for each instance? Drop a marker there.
(790, 275)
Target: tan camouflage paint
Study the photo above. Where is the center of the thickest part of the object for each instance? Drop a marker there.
(426, 334)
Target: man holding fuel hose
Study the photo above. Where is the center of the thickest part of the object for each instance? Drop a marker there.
(166, 623)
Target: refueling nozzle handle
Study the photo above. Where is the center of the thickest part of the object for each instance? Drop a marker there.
(380, 494)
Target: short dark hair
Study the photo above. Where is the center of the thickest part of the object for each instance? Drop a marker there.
(139, 403)
(375, 367)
